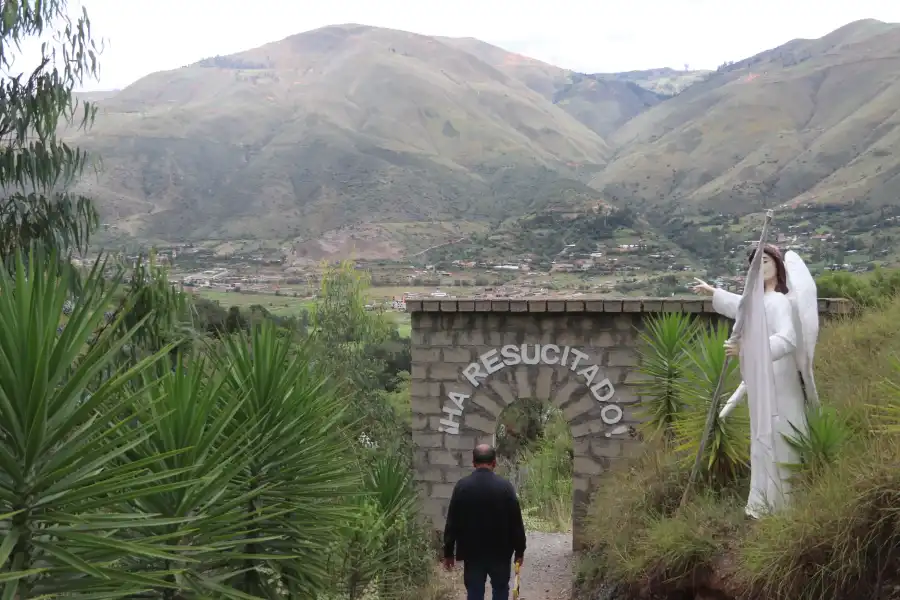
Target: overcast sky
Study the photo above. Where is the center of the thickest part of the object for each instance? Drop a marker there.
(144, 36)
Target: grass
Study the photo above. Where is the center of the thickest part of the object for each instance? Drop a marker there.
(288, 306)
(841, 538)
(284, 306)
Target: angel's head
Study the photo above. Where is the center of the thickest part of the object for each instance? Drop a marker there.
(773, 271)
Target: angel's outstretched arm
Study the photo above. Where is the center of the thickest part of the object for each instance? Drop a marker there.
(726, 303)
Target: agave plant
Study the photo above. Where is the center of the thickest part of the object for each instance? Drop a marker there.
(301, 466)
(66, 527)
(820, 444)
(663, 362)
(727, 451)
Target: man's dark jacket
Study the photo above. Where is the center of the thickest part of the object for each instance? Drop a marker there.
(484, 521)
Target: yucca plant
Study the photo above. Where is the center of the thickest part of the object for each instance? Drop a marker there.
(663, 363)
(194, 432)
(727, 452)
(67, 528)
(820, 444)
(302, 464)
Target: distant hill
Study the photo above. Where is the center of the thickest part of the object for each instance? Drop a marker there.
(809, 121)
(335, 130)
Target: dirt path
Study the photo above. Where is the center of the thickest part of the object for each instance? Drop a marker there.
(546, 574)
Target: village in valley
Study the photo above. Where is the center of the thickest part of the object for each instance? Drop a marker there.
(629, 263)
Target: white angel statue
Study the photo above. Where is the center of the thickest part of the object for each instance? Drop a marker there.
(792, 316)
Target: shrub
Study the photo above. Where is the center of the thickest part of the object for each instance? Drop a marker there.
(664, 361)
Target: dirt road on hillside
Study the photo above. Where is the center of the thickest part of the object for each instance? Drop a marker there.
(546, 574)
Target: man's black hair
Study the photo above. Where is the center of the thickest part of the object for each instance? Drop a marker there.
(484, 455)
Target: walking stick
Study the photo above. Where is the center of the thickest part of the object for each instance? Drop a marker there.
(516, 584)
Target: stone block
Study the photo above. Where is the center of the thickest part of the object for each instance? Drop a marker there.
(593, 306)
(443, 372)
(588, 428)
(582, 406)
(544, 385)
(632, 306)
(428, 440)
(419, 371)
(503, 390)
(470, 338)
(603, 339)
(441, 490)
(444, 458)
(465, 305)
(428, 405)
(413, 305)
(537, 306)
(613, 306)
(651, 306)
(635, 377)
(430, 475)
(574, 306)
(556, 306)
(583, 465)
(448, 305)
(523, 383)
(419, 422)
(482, 306)
(431, 305)
(692, 306)
(441, 338)
(565, 393)
(426, 355)
(622, 358)
(479, 423)
(606, 447)
(500, 305)
(671, 306)
(457, 355)
(488, 404)
(463, 441)
(518, 306)
(424, 388)
(433, 507)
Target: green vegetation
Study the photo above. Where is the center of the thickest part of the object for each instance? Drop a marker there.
(156, 447)
(535, 449)
(838, 540)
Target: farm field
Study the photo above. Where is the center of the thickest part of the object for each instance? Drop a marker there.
(288, 306)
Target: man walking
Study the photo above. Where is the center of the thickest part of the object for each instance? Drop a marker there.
(484, 527)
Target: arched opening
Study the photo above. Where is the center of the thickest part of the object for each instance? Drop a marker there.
(535, 452)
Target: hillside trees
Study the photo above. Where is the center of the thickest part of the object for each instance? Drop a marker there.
(36, 167)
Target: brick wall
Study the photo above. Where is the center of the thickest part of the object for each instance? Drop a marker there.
(472, 358)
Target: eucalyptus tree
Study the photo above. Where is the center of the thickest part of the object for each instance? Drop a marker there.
(37, 168)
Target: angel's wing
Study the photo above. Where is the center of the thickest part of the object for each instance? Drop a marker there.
(805, 304)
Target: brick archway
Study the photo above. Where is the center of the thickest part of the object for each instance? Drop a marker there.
(472, 358)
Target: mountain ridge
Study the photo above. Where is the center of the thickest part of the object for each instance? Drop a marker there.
(347, 138)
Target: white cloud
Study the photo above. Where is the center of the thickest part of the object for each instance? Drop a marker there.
(600, 35)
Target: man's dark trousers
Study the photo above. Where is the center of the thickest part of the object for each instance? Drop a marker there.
(476, 572)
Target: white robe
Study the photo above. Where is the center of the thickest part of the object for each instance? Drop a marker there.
(769, 453)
